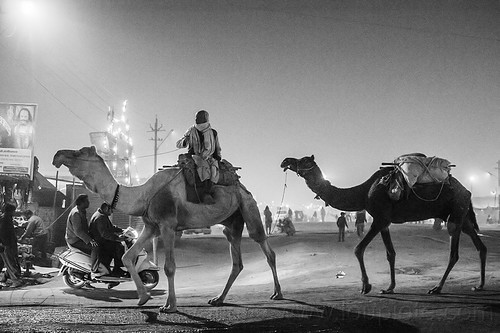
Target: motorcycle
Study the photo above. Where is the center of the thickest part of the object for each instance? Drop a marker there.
(76, 267)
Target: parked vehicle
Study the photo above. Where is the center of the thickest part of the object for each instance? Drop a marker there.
(205, 231)
(281, 214)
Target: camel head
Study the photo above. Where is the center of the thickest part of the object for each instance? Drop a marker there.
(85, 164)
(299, 166)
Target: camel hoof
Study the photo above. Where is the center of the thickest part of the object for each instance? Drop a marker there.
(366, 289)
(480, 288)
(144, 299)
(434, 291)
(388, 291)
(277, 296)
(216, 301)
(168, 309)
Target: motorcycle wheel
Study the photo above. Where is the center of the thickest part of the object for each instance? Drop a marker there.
(72, 281)
(149, 278)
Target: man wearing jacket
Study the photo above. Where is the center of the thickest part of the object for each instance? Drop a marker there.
(109, 238)
(36, 229)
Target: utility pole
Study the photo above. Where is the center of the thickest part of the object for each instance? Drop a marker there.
(498, 186)
(155, 130)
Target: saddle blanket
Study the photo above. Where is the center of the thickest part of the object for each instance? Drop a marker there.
(420, 169)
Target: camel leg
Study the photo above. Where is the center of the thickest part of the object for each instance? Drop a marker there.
(391, 257)
(454, 232)
(129, 259)
(271, 260)
(235, 251)
(168, 237)
(256, 231)
(469, 230)
(359, 252)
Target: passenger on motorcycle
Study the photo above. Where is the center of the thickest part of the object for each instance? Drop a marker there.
(77, 231)
(109, 238)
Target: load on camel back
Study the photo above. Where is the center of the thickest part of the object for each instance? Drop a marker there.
(412, 169)
(162, 203)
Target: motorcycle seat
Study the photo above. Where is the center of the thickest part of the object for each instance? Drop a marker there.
(75, 250)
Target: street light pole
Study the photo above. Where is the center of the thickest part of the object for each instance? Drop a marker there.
(498, 185)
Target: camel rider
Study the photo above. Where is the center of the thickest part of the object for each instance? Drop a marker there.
(203, 145)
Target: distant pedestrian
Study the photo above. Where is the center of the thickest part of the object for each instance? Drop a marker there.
(342, 224)
(360, 223)
(288, 227)
(268, 219)
(323, 213)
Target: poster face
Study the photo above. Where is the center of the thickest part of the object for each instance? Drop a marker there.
(17, 134)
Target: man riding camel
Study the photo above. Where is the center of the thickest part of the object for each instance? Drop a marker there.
(203, 145)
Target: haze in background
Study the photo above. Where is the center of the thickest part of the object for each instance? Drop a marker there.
(355, 84)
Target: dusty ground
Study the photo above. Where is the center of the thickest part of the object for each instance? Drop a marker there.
(315, 300)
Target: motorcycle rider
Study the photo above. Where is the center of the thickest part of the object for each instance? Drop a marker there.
(77, 231)
(109, 238)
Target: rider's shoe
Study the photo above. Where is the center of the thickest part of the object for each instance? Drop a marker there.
(113, 284)
(120, 273)
(97, 274)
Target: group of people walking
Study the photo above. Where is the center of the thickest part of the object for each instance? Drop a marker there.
(342, 222)
(359, 224)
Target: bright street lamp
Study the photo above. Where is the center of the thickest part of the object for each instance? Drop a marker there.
(28, 9)
(471, 179)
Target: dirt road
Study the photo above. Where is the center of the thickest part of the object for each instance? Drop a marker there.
(315, 300)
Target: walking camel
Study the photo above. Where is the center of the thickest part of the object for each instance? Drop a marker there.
(161, 202)
(449, 201)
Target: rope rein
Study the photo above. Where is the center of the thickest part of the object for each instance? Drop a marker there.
(281, 203)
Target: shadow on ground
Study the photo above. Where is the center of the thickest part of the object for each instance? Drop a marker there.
(319, 318)
(108, 295)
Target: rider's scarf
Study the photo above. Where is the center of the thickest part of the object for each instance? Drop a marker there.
(206, 148)
(207, 166)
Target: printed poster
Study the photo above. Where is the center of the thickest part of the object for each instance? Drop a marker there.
(17, 136)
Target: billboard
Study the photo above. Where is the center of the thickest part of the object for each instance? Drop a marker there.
(17, 137)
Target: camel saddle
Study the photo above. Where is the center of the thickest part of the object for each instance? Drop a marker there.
(412, 169)
(195, 188)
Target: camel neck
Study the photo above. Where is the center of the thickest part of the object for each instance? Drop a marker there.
(348, 199)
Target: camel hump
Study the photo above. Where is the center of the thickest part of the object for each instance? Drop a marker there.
(420, 169)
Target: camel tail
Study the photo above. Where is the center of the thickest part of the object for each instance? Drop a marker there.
(472, 217)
